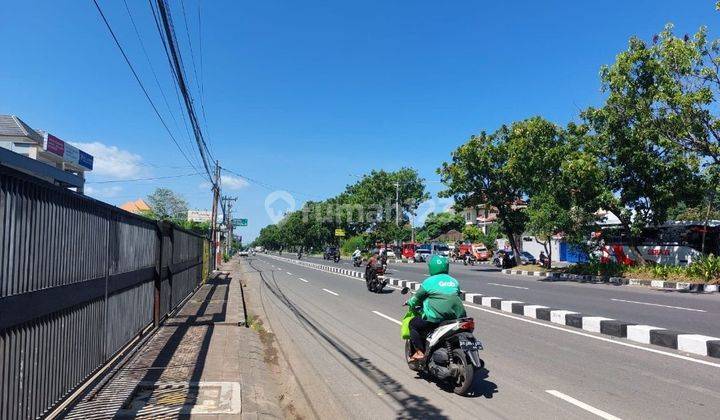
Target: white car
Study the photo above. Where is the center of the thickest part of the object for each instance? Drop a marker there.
(388, 253)
(243, 253)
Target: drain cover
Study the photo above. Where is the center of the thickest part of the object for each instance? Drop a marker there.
(150, 398)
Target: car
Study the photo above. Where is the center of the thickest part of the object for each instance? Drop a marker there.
(482, 253)
(388, 252)
(243, 253)
(421, 254)
(330, 252)
(440, 249)
(527, 258)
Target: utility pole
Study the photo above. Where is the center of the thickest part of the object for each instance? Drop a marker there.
(397, 209)
(227, 205)
(213, 221)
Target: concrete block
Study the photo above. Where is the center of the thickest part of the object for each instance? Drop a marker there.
(531, 310)
(518, 308)
(713, 348)
(694, 343)
(487, 301)
(665, 338)
(473, 298)
(506, 305)
(558, 316)
(615, 328)
(640, 333)
(592, 323)
(574, 320)
(544, 313)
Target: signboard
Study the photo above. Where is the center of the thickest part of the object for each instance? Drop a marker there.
(339, 232)
(240, 222)
(68, 152)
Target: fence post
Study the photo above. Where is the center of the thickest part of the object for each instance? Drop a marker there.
(158, 273)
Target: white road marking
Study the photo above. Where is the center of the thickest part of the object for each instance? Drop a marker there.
(387, 317)
(507, 285)
(582, 405)
(657, 304)
(289, 273)
(302, 279)
(331, 292)
(595, 337)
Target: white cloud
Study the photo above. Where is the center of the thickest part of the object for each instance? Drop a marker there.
(228, 182)
(232, 182)
(103, 192)
(112, 162)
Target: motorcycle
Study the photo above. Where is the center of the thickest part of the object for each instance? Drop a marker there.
(469, 259)
(336, 258)
(452, 353)
(376, 281)
(299, 255)
(357, 261)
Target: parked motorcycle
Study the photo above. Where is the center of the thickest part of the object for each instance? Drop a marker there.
(336, 258)
(357, 261)
(376, 281)
(452, 353)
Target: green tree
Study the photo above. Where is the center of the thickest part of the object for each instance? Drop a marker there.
(647, 170)
(438, 223)
(480, 173)
(167, 205)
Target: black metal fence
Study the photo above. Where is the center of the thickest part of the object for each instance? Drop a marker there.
(79, 279)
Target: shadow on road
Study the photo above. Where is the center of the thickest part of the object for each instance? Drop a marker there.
(413, 406)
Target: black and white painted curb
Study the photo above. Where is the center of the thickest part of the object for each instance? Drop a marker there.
(581, 278)
(691, 343)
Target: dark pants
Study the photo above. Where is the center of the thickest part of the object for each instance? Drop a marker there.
(419, 330)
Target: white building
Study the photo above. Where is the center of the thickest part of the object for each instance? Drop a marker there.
(62, 163)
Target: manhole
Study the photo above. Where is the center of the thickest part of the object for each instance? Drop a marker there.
(183, 398)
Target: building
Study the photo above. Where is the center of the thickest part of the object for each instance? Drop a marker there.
(138, 206)
(200, 216)
(484, 215)
(42, 154)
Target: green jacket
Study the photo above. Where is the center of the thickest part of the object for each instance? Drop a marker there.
(440, 298)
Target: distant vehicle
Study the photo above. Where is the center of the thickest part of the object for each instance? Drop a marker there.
(244, 253)
(440, 249)
(525, 258)
(330, 253)
(422, 254)
(388, 252)
(259, 249)
(408, 250)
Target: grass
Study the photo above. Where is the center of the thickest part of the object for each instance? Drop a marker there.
(704, 270)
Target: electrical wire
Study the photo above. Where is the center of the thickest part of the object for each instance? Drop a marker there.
(137, 78)
(109, 181)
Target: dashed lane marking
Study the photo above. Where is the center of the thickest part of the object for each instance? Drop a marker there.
(331, 292)
(387, 317)
(657, 304)
(578, 403)
(507, 285)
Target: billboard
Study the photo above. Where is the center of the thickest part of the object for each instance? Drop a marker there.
(68, 152)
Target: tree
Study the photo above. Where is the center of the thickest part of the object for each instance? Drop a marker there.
(475, 235)
(646, 170)
(438, 223)
(168, 205)
(480, 173)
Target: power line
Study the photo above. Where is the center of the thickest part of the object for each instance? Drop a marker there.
(108, 181)
(180, 78)
(137, 78)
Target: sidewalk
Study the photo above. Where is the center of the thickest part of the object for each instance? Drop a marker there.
(199, 364)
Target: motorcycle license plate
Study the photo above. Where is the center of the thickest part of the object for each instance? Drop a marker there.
(470, 345)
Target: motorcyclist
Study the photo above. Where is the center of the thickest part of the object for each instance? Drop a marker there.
(372, 266)
(356, 253)
(439, 296)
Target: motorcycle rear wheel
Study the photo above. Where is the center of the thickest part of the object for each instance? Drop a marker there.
(464, 380)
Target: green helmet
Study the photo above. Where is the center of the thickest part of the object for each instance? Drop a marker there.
(438, 265)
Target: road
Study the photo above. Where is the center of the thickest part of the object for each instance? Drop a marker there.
(345, 348)
(674, 310)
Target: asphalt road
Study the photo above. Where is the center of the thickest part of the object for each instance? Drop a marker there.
(674, 310)
(345, 348)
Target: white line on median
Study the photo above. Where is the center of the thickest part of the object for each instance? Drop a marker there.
(657, 304)
(582, 405)
(387, 317)
(507, 285)
(302, 279)
(331, 292)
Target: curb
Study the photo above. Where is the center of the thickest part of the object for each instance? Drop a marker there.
(585, 278)
(691, 343)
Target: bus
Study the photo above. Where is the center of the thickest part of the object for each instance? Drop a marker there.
(672, 243)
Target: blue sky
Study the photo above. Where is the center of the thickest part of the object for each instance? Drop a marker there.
(307, 95)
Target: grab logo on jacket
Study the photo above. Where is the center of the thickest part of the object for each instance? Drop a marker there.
(447, 284)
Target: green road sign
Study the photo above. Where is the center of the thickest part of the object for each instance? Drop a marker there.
(240, 222)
